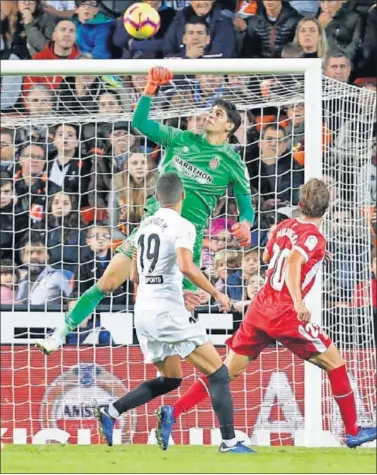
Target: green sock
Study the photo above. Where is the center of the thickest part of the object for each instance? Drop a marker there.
(83, 308)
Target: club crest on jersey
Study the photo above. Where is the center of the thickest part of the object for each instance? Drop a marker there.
(214, 163)
(192, 172)
(126, 246)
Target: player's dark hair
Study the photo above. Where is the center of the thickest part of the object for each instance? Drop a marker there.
(194, 20)
(169, 189)
(314, 198)
(232, 113)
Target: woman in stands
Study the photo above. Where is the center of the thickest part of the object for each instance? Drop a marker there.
(65, 239)
(25, 27)
(134, 185)
(109, 103)
(311, 36)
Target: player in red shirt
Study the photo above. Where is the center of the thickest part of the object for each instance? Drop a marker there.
(294, 252)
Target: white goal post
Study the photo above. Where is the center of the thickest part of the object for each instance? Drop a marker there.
(313, 434)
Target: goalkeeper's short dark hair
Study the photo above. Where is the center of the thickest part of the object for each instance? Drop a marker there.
(169, 189)
(232, 113)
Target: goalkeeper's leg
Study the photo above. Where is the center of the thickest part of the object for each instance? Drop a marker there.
(116, 273)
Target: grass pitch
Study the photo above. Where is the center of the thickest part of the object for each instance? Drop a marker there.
(182, 459)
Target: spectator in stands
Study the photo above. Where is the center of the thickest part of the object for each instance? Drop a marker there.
(332, 182)
(343, 25)
(10, 86)
(151, 46)
(7, 149)
(250, 263)
(80, 94)
(250, 290)
(247, 134)
(306, 8)
(337, 65)
(13, 43)
(26, 29)
(336, 110)
(353, 139)
(366, 292)
(367, 174)
(116, 8)
(134, 185)
(269, 30)
(59, 8)
(368, 66)
(311, 36)
(93, 29)
(31, 182)
(344, 241)
(226, 273)
(196, 40)
(62, 46)
(39, 101)
(109, 103)
(236, 88)
(36, 25)
(295, 128)
(195, 123)
(66, 171)
(221, 31)
(12, 222)
(40, 283)
(220, 237)
(65, 240)
(207, 88)
(97, 259)
(9, 279)
(112, 160)
(275, 174)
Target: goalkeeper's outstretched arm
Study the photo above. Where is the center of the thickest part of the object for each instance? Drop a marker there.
(155, 131)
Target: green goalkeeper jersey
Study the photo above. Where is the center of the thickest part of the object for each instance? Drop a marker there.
(206, 170)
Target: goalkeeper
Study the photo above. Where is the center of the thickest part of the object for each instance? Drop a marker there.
(206, 164)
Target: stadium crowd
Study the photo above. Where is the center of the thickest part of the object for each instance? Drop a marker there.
(70, 192)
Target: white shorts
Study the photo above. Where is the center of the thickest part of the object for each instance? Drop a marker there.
(167, 334)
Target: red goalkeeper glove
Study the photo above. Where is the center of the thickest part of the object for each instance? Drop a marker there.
(241, 232)
(157, 77)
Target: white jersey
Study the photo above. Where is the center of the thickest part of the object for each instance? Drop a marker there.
(160, 280)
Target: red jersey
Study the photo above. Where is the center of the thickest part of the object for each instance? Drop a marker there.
(273, 301)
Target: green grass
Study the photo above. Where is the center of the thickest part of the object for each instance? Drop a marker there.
(182, 459)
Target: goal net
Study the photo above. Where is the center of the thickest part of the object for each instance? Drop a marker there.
(74, 178)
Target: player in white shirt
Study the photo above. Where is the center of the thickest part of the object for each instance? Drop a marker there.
(167, 332)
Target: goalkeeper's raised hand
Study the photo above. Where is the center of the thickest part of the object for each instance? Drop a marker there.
(157, 77)
(241, 232)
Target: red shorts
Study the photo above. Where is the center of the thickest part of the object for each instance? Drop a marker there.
(303, 339)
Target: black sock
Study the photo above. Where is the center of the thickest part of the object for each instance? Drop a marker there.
(145, 392)
(222, 403)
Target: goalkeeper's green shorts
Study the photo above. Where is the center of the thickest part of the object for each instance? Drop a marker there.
(127, 247)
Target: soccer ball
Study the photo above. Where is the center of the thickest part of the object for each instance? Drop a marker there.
(141, 21)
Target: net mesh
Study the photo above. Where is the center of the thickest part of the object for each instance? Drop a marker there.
(81, 176)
